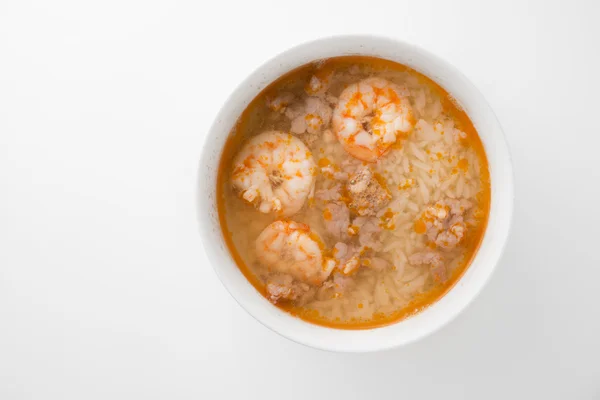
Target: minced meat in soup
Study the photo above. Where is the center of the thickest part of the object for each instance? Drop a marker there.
(353, 192)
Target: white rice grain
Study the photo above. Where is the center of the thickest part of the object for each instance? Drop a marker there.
(406, 165)
(460, 184)
(421, 165)
(418, 153)
(424, 190)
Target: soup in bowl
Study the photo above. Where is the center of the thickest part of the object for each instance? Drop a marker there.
(355, 193)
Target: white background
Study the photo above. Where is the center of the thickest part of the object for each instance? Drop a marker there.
(104, 289)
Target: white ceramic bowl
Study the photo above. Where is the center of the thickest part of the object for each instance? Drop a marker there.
(433, 317)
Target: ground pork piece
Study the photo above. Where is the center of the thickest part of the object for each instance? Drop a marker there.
(330, 194)
(283, 287)
(310, 140)
(434, 260)
(337, 219)
(369, 232)
(298, 125)
(319, 109)
(367, 195)
(458, 206)
(331, 99)
(340, 176)
(280, 287)
(328, 170)
(315, 115)
(341, 282)
(341, 250)
(280, 102)
(425, 257)
(350, 165)
(444, 224)
(451, 236)
(347, 257)
(332, 171)
(318, 84)
(294, 110)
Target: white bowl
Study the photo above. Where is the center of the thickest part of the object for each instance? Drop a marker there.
(477, 274)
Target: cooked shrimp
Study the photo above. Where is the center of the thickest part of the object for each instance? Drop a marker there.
(370, 116)
(292, 248)
(275, 171)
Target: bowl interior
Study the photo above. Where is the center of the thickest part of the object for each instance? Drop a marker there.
(434, 316)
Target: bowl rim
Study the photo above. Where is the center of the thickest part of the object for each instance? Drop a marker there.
(365, 340)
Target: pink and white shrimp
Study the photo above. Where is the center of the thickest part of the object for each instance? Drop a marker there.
(275, 171)
(371, 116)
(290, 247)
